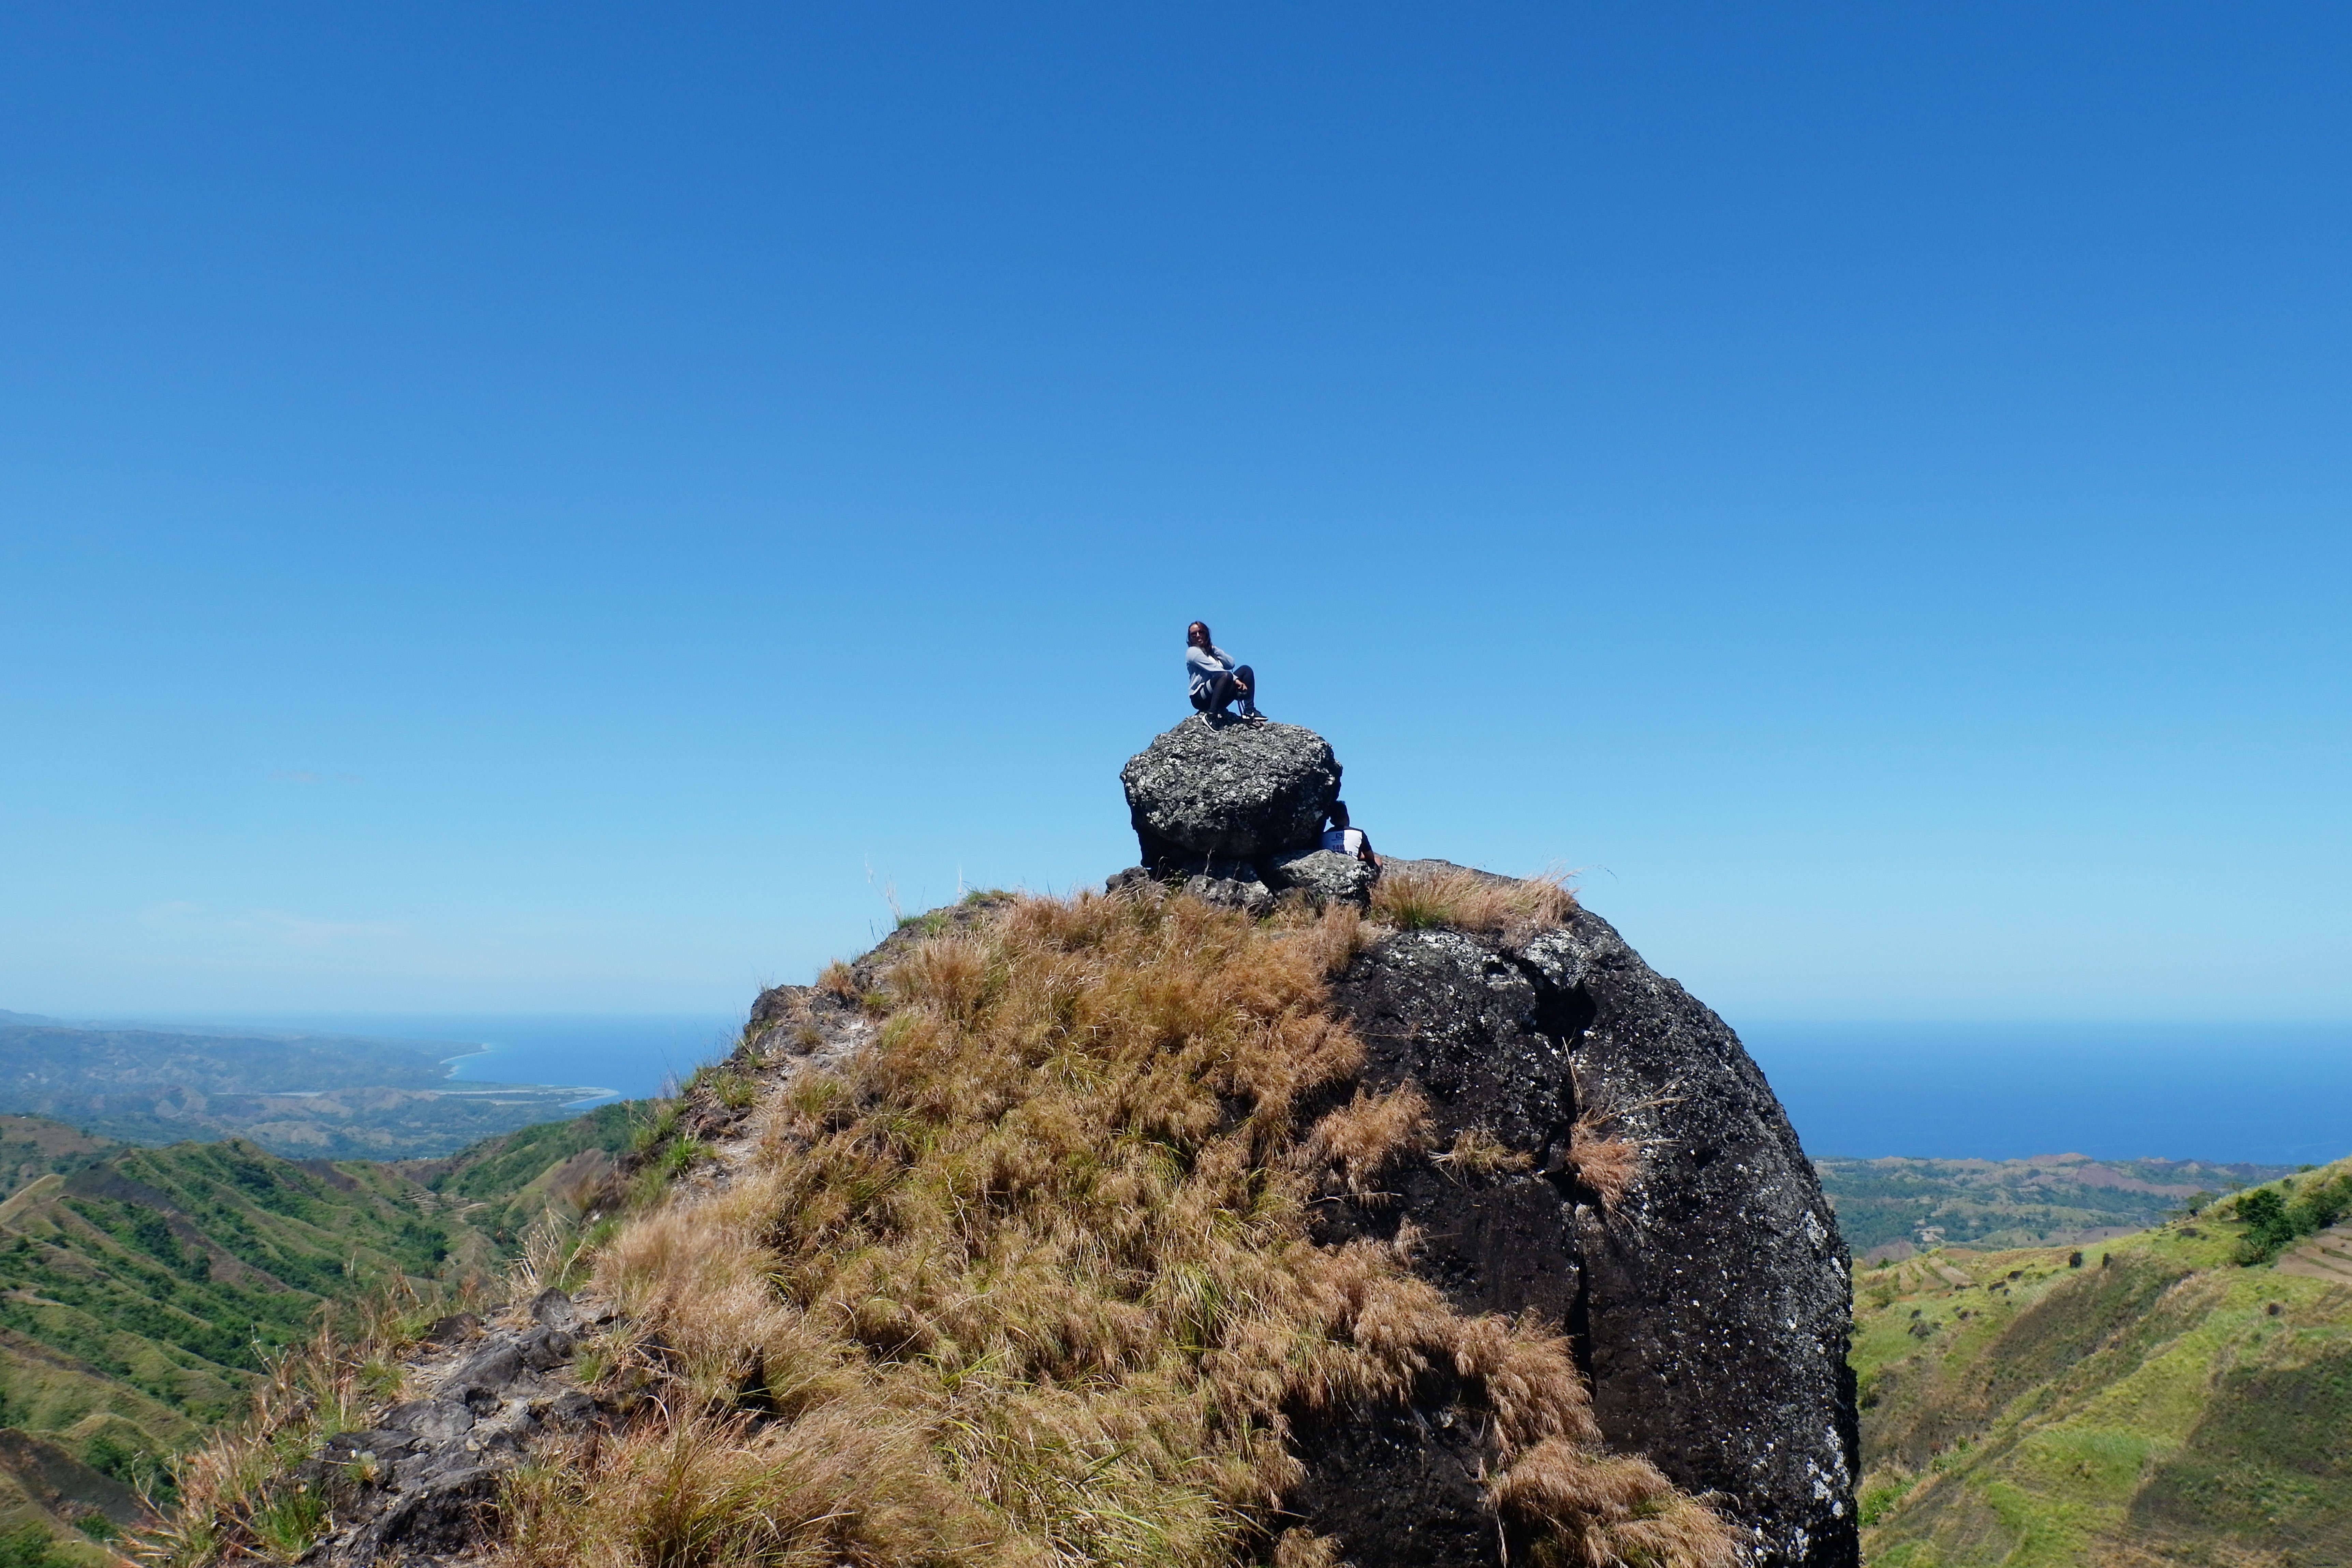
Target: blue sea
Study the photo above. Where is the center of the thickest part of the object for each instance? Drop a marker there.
(2279, 1094)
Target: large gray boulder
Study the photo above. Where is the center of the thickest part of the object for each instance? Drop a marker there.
(1229, 787)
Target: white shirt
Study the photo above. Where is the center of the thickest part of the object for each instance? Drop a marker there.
(1344, 840)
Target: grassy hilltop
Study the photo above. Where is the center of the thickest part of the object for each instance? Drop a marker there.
(2181, 1395)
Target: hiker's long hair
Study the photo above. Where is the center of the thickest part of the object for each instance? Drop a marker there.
(1197, 635)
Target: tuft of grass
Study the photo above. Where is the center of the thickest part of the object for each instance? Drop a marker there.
(1029, 1281)
(837, 979)
(1604, 1512)
(1468, 900)
(1366, 1135)
(1608, 1163)
(288, 1523)
(1476, 1151)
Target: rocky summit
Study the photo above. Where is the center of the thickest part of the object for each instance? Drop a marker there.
(1704, 1282)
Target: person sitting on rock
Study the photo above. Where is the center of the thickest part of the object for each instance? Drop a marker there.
(1217, 681)
(1341, 840)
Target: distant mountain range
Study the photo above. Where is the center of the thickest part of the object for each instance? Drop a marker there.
(331, 1095)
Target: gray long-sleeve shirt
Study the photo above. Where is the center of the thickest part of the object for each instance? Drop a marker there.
(1205, 664)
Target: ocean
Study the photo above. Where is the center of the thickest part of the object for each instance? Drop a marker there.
(2279, 1094)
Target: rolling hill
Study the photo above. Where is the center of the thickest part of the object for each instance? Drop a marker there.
(142, 1290)
(2149, 1400)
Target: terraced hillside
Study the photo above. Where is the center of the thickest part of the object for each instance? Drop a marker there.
(2145, 1401)
(142, 1291)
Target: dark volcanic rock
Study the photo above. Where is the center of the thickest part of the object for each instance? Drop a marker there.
(1718, 1298)
(423, 1484)
(1710, 1307)
(1229, 787)
(1400, 1485)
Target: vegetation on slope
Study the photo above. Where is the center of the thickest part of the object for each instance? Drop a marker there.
(2277, 1217)
(2148, 1400)
(1028, 1280)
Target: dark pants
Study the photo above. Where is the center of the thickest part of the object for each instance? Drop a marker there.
(1223, 688)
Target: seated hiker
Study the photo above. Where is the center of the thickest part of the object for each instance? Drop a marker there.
(1216, 679)
(1341, 840)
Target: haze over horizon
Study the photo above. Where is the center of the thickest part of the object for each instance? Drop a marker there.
(560, 510)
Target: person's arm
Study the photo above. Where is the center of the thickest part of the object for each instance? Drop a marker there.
(1205, 661)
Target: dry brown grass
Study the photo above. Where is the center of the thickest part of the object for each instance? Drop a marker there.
(1030, 1283)
(1608, 1512)
(1416, 900)
(1366, 1135)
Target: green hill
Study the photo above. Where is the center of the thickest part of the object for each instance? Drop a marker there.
(142, 1290)
(2149, 1400)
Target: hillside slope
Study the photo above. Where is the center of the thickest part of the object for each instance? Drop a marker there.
(2138, 1401)
(32, 1147)
(1133, 1230)
(142, 1291)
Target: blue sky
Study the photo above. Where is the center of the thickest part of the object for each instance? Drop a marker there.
(552, 509)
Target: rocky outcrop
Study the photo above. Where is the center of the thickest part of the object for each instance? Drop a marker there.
(1322, 876)
(420, 1484)
(1232, 788)
(1610, 1158)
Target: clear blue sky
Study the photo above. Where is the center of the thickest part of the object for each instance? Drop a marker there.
(517, 508)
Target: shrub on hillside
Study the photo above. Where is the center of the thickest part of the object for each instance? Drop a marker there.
(2276, 1218)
